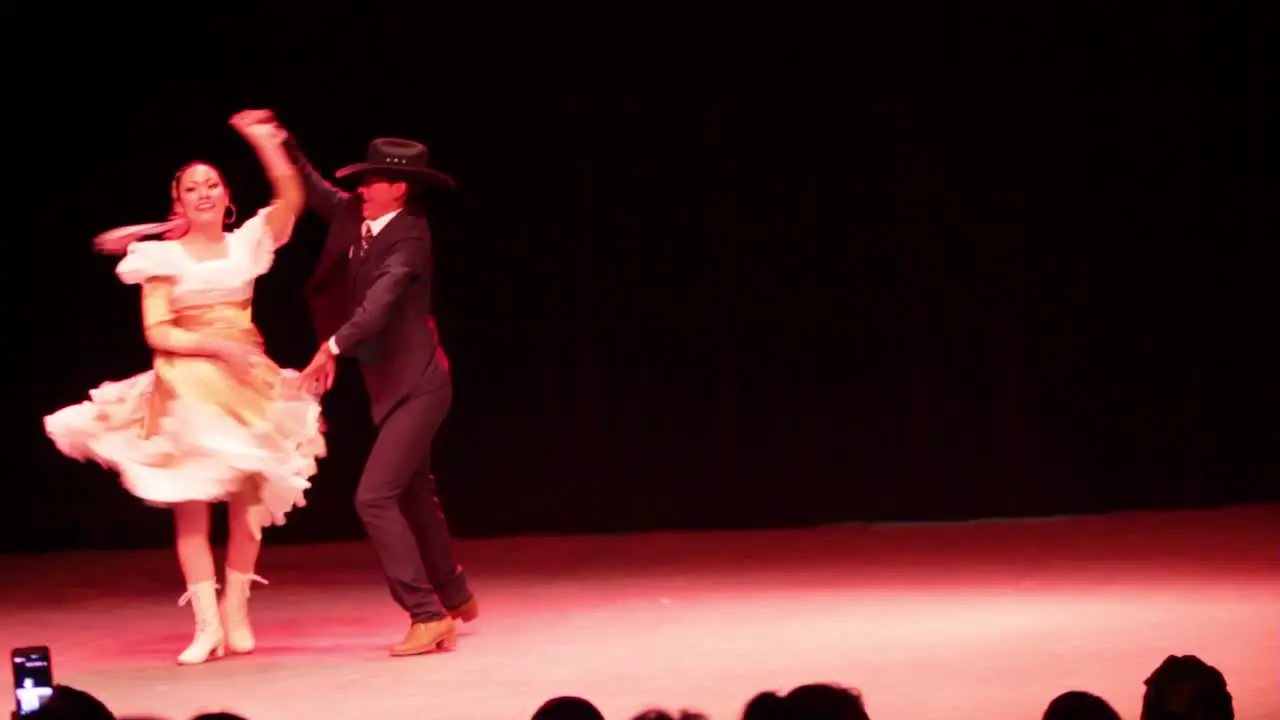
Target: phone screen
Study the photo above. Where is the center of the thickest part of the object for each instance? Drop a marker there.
(32, 678)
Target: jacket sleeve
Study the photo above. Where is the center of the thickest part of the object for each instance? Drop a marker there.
(322, 197)
(404, 263)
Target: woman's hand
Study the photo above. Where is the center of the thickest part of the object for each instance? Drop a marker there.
(241, 360)
(258, 126)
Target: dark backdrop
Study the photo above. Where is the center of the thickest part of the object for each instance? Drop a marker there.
(705, 268)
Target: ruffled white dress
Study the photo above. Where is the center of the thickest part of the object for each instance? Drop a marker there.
(188, 429)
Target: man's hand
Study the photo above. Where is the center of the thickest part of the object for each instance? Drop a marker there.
(317, 378)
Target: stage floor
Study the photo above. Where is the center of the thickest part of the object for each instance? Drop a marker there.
(977, 620)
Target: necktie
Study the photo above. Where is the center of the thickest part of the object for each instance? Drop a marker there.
(366, 234)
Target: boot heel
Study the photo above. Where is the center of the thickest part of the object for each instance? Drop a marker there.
(448, 642)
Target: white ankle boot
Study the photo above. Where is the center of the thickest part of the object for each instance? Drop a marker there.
(235, 611)
(208, 641)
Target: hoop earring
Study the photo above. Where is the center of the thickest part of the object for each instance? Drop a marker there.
(232, 208)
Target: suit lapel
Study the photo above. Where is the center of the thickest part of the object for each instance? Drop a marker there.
(364, 264)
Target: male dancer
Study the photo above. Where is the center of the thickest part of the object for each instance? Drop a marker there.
(370, 299)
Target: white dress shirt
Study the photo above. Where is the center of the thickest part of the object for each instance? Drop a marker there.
(375, 226)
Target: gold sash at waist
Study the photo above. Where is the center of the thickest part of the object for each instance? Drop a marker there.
(231, 320)
(206, 381)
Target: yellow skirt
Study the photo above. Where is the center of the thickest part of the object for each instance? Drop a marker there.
(189, 430)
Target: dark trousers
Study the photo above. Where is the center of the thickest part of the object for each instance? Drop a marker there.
(397, 503)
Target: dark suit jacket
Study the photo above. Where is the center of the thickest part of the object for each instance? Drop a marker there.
(377, 307)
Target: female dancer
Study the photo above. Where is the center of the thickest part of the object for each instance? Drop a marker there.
(214, 419)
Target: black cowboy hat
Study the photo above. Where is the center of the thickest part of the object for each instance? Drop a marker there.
(399, 160)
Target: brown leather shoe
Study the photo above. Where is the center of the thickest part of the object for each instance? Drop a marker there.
(467, 611)
(425, 637)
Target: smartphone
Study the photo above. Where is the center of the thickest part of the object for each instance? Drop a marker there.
(32, 678)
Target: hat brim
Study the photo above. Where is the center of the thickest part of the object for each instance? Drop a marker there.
(420, 177)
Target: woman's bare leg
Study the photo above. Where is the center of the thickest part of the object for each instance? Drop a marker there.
(243, 545)
(243, 542)
(195, 556)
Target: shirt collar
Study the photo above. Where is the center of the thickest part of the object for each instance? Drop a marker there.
(376, 224)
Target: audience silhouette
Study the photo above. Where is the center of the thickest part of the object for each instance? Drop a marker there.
(1183, 687)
